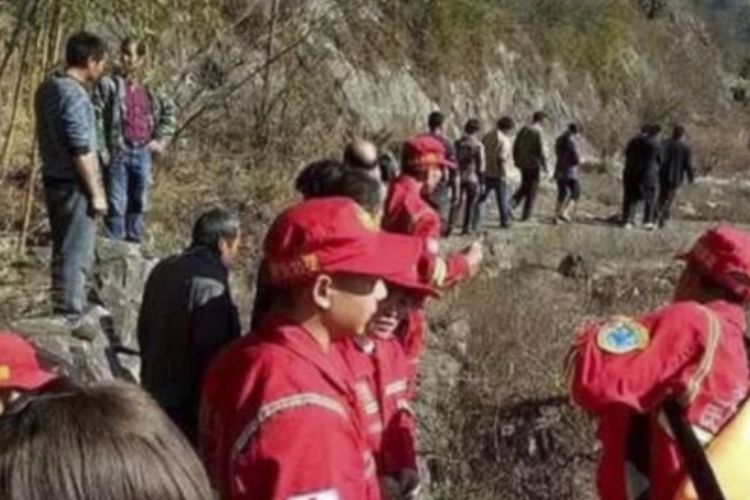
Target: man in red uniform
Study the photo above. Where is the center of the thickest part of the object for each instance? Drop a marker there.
(691, 353)
(381, 375)
(279, 416)
(408, 212)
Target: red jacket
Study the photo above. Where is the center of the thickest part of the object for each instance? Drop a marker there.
(381, 379)
(279, 421)
(407, 212)
(629, 367)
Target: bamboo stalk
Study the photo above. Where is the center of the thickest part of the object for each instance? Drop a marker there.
(21, 24)
(17, 93)
(45, 47)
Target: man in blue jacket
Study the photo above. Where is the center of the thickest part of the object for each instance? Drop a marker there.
(73, 190)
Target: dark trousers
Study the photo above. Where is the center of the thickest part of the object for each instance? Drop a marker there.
(500, 188)
(73, 239)
(445, 199)
(633, 195)
(128, 179)
(650, 203)
(568, 190)
(470, 193)
(667, 195)
(527, 191)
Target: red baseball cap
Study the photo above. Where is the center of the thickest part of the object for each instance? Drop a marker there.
(424, 152)
(334, 235)
(19, 365)
(417, 279)
(723, 253)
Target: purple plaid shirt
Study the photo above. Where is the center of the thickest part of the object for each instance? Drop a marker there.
(136, 119)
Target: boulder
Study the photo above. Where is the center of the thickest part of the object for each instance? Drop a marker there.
(119, 277)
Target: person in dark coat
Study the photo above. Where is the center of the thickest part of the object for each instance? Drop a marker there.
(630, 176)
(678, 165)
(447, 195)
(530, 158)
(567, 173)
(643, 159)
(470, 156)
(652, 161)
(187, 316)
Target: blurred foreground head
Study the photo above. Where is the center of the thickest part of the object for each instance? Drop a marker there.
(106, 441)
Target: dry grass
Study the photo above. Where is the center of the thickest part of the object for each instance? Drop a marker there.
(512, 434)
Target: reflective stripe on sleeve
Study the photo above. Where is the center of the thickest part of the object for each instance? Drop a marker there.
(707, 361)
(395, 387)
(269, 410)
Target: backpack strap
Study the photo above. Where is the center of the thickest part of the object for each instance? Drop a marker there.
(696, 462)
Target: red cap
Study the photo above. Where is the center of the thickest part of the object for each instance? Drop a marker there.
(723, 253)
(19, 366)
(424, 151)
(335, 235)
(416, 279)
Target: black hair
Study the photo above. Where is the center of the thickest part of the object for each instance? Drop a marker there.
(356, 185)
(538, 116)
(435, 120)
(654, 129)
(573, 128)
(213, 226)
(472, 126)
(140, 46)
(388, 167)
(316, 178)
(678, 132)
(506, 124)
(83, 46)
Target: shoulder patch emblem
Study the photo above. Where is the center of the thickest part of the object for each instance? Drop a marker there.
(622, 335)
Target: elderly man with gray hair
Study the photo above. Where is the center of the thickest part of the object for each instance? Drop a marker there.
(187, 316)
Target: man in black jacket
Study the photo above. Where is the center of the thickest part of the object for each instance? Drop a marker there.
(652, 161)
(187, 316)
(643, 158)
(678, 164)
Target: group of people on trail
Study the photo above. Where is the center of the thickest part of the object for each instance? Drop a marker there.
(89, 123)
(481, 166)
(654, 171)
(315, 401)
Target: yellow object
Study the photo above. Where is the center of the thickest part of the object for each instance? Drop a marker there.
(729, 456)
(4, 373)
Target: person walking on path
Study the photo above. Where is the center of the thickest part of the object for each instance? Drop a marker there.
(677, 166)
(530, 158)
(567, 173)
(471, 168)
(73, 190)
(652, 164)
(631, 175)
(187, 315)
(499, 156)
(446, 196)
(135, 123)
